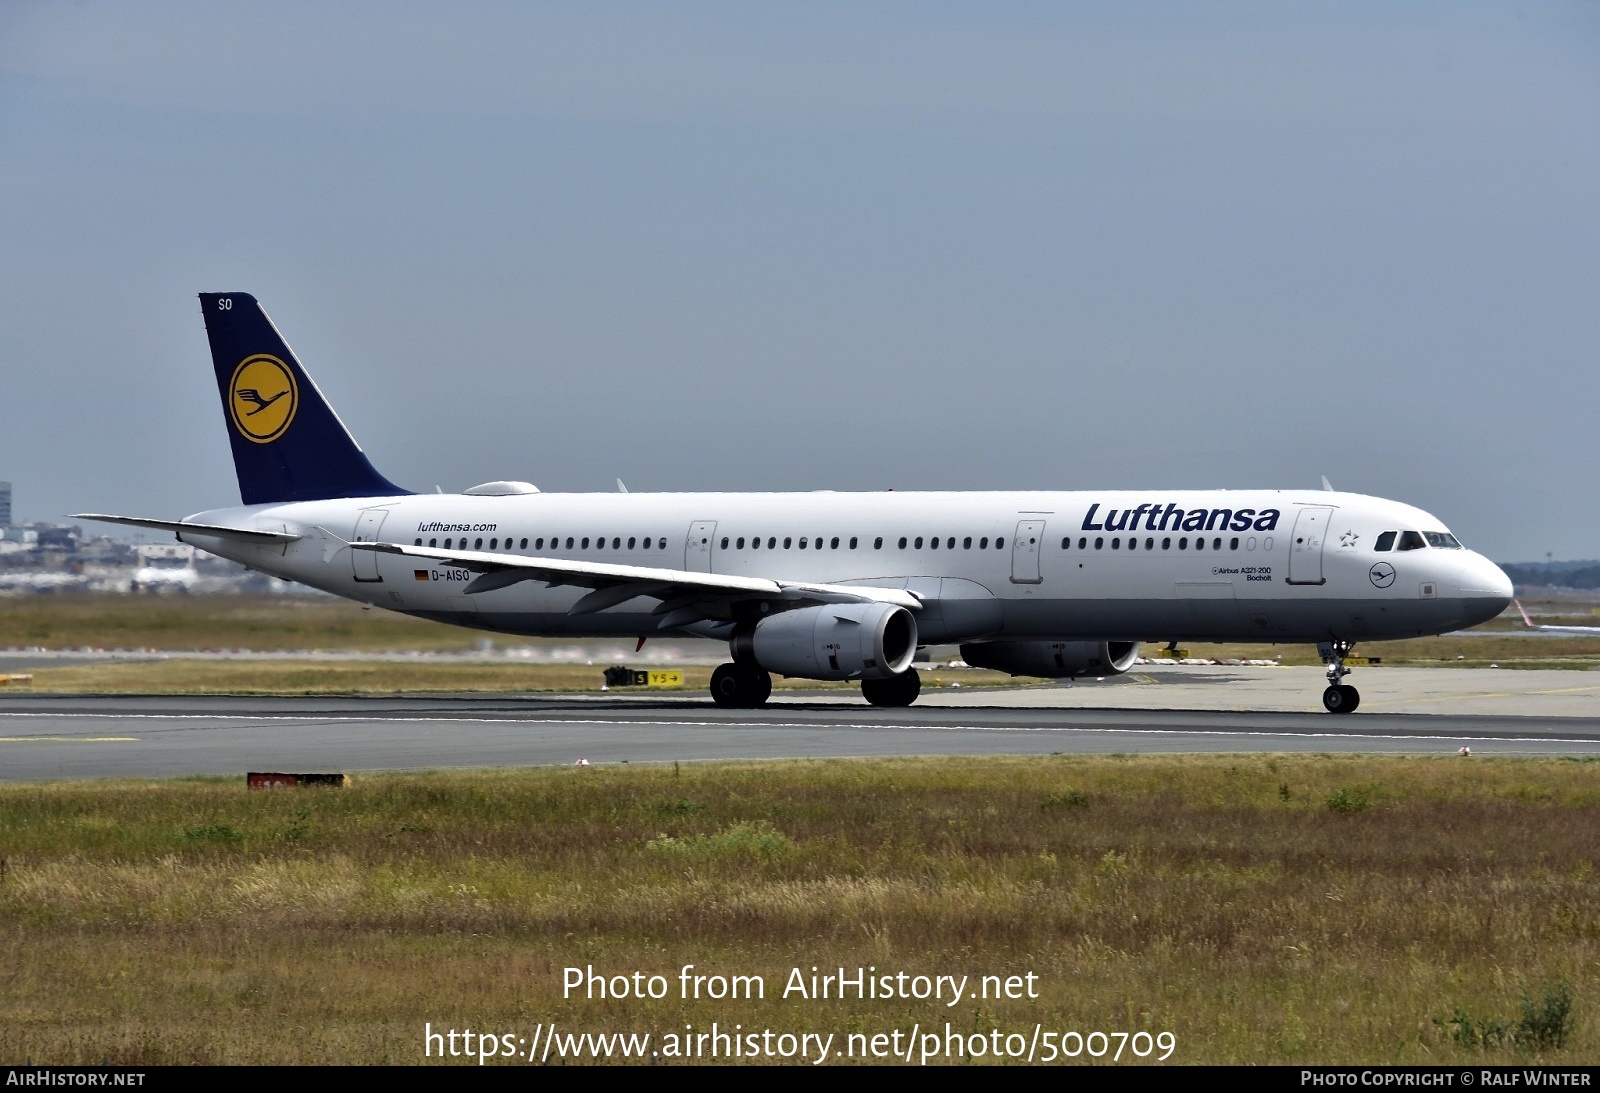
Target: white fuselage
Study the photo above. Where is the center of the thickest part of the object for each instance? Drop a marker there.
(1234, 565)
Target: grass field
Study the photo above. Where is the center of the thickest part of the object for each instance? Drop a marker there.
(275, 624)
(1260, 909)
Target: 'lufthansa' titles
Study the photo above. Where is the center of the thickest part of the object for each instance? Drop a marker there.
(1171, 518)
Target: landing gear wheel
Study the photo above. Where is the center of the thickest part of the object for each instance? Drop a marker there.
(900, 690)
(1339, 697)
(735, 686)
(1342, 698)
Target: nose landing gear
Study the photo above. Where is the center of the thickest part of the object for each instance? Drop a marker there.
(1339, 697)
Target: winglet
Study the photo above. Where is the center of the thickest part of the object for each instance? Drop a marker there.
(1526, 621)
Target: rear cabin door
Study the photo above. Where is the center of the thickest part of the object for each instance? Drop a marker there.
(1305, 546)
(367, 527)
(1025, 552)
(697, 551)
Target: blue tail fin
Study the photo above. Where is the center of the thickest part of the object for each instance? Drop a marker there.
(288, 444)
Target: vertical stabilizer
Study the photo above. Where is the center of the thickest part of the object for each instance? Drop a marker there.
(288, 444)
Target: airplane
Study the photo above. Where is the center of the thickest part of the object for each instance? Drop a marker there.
(1549, 628)
(822, 585)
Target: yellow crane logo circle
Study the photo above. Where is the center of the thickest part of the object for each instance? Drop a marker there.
(262, 398)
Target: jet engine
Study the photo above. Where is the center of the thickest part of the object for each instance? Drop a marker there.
(834, 641)
(1053, 659)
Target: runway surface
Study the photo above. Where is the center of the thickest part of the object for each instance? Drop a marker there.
(46, 738)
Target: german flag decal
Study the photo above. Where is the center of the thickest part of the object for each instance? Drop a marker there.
(420, 574)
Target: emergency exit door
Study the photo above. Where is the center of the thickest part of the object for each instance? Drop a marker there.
(1025, 552)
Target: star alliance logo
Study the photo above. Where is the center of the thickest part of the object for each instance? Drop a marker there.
(1348, 539)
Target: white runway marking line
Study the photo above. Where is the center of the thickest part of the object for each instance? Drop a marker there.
(565, 723)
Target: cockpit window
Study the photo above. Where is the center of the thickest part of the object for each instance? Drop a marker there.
(1411, 540)
(1441, 539)
(1385, 541)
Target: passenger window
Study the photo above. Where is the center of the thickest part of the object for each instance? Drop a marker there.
(772, 542)
(999, 544)
(983, 544)
(417, 543)
(433, 542)
(538, 543)
(786, 542)
(902, 542)
(1385, 541)
(1116, 544)
(1411, 540)
(616, 542)
(524, 545)
(816, 544)
(918, 543)
(585, 542)
(1234, 543)
(1166, 544)
(1066, 542)
(1216, 544)
(1083, 542)
(934, 543)
(1199, 543)
(950, 543)
(1099, 542)
(852, 542)
(1150, 543)
(478, 545)
(569, 542)
(755, 544)
(724, 542)
(833, 544)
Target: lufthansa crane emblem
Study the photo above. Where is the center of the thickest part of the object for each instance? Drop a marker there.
(262, 398)
(1382, 574)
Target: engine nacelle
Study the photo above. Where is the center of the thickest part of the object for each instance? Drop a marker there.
(1053, 659)
(834, 641)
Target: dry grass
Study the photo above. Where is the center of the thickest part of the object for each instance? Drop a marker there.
(1221, 899)
(181, 622)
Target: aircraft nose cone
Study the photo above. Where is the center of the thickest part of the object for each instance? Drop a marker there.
(1485, 588)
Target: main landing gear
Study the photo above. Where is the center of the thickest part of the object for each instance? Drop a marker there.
(740, 686)
(1339, 697)
(900, 690)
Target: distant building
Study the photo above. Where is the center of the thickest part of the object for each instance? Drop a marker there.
(5, 504)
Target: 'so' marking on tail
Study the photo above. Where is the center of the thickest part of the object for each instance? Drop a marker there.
(262, 398)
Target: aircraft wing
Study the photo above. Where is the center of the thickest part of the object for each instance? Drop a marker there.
(179, 526)
(1531, 625)
(684, 595)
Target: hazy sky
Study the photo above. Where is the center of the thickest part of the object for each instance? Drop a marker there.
(800, 246)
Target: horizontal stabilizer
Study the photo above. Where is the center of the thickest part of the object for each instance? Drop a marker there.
(177, 527)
